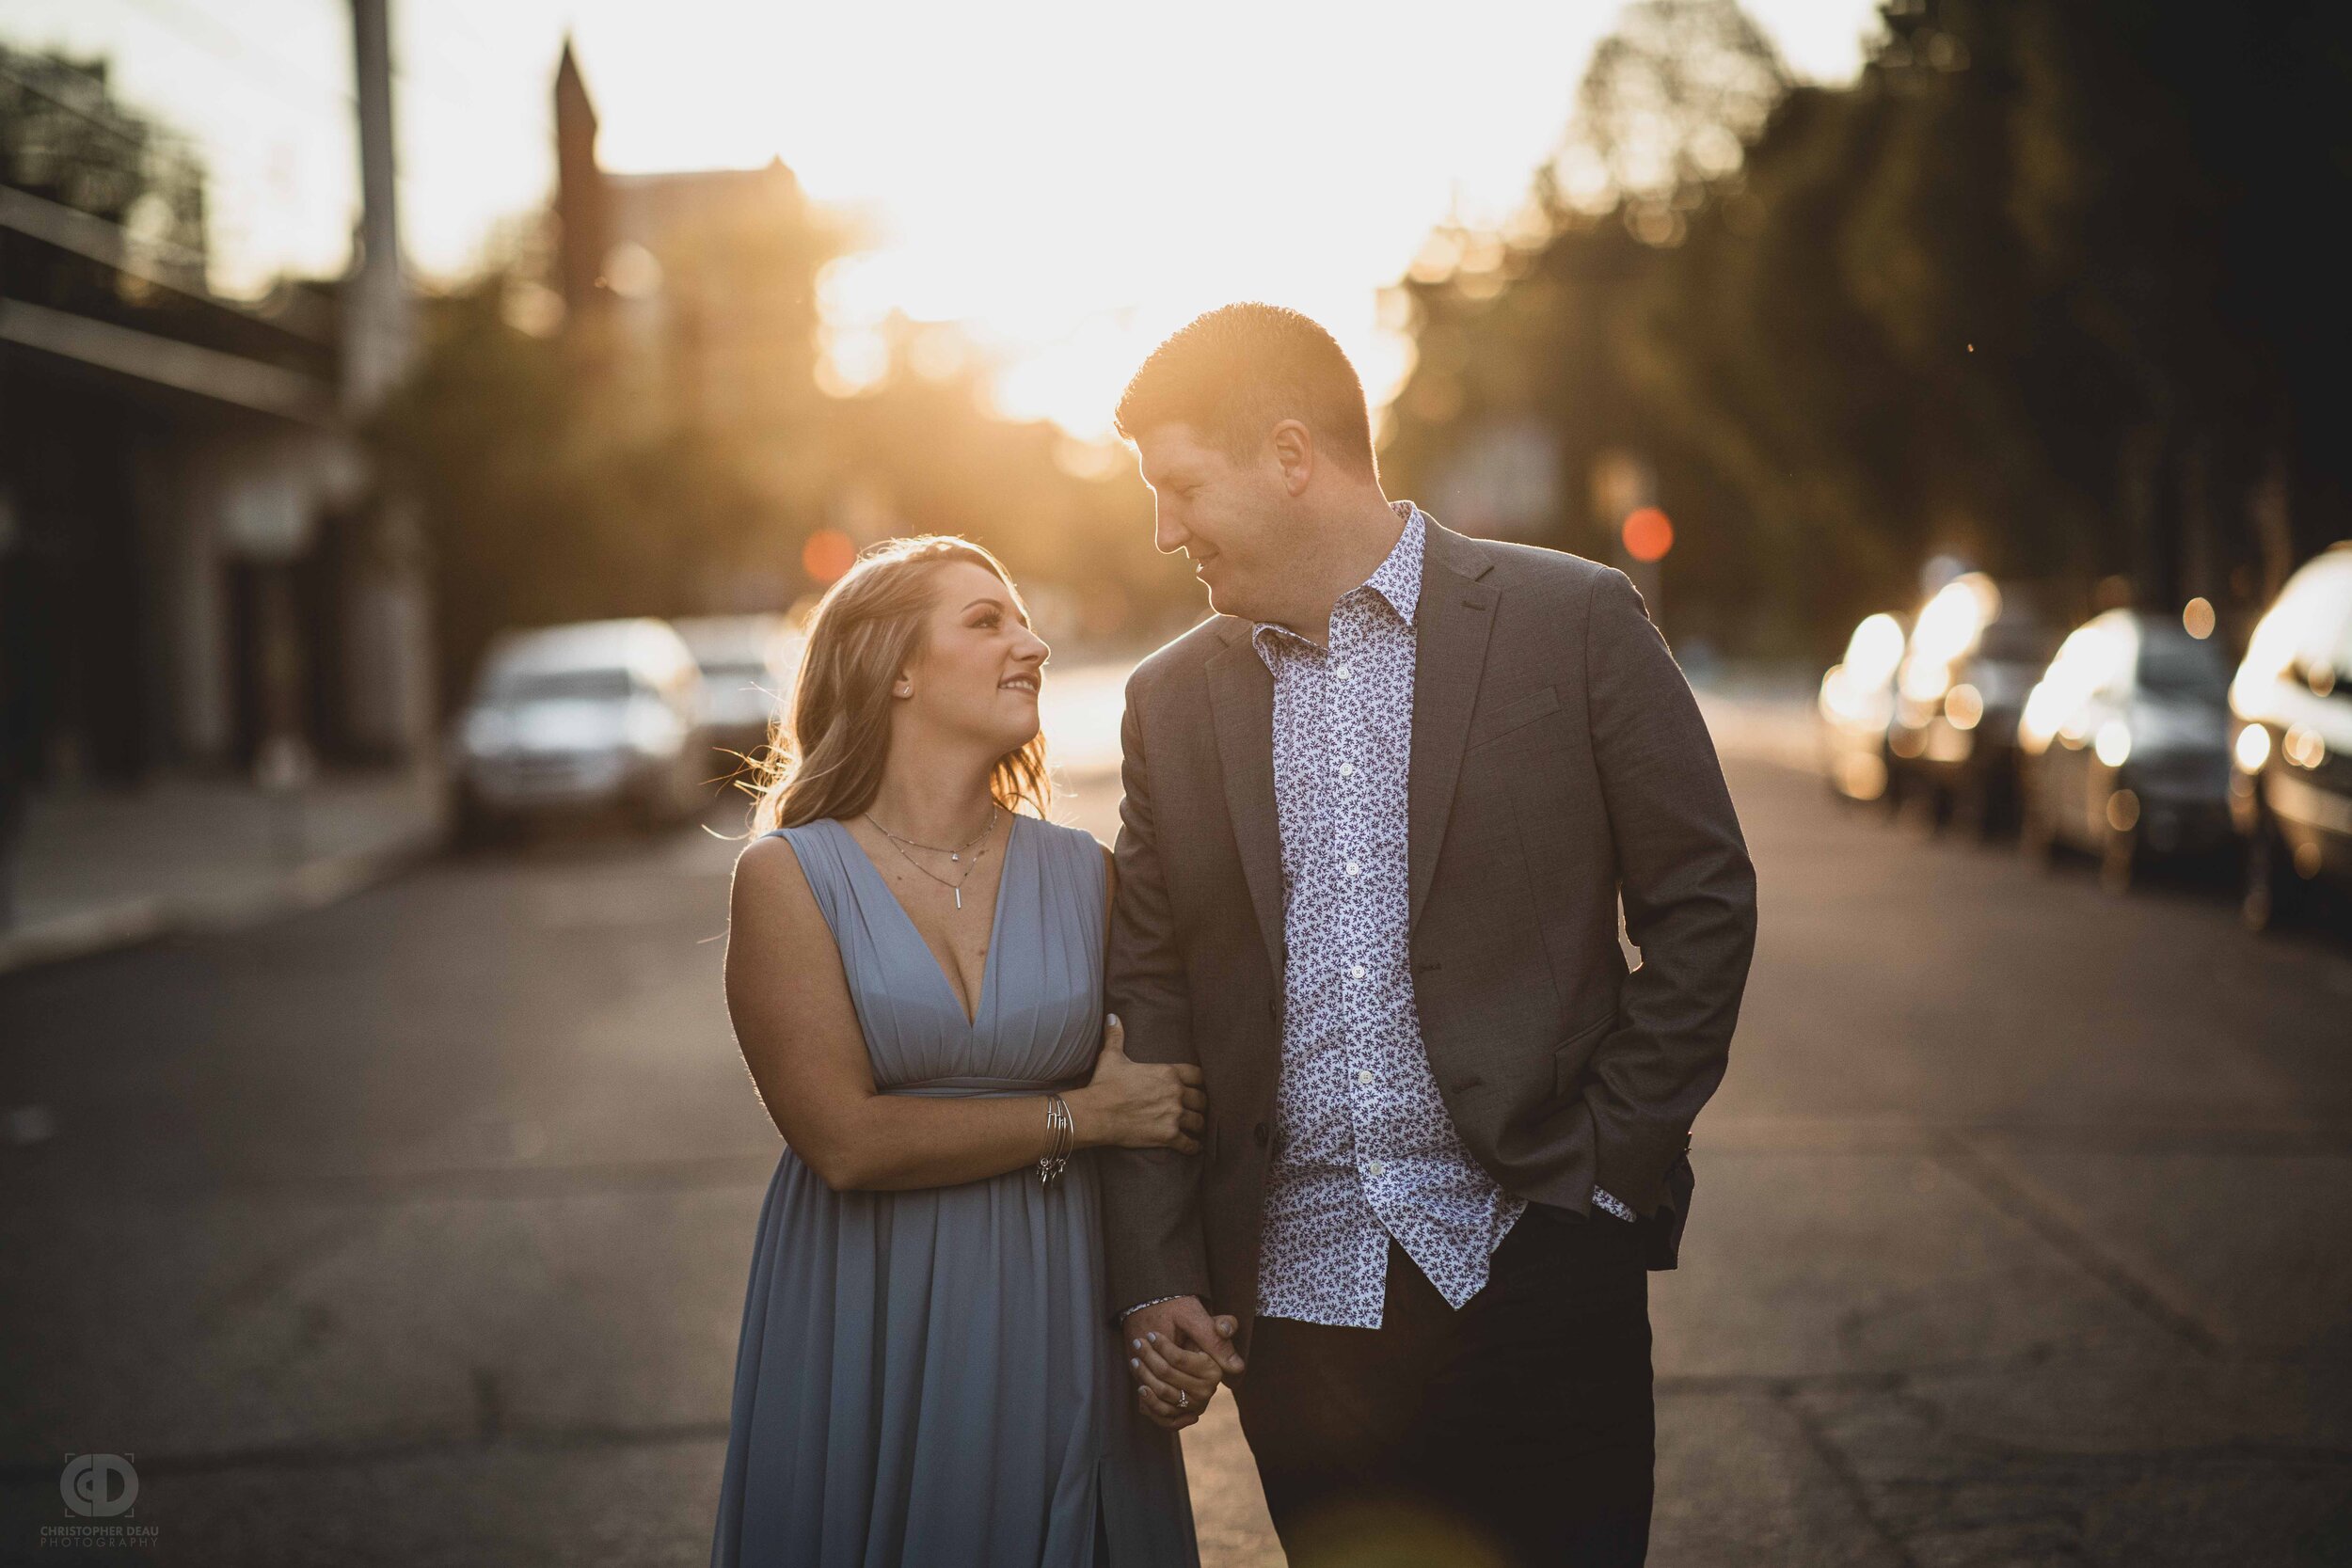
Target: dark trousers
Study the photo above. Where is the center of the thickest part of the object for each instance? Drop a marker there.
(1519, 1430)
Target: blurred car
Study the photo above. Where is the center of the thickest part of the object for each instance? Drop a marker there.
(2291, 710)
(595, 714)
(1856, 706)
(1974, 653)
(2124, 743)
(748, 664)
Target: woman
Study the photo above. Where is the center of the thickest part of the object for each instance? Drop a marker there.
(928, 1371)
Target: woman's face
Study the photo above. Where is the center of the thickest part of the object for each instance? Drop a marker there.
(979, 673)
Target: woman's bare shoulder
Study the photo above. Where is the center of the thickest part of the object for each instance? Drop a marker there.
(769, 873)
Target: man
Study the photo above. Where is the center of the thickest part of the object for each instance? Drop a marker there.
(1381, 813)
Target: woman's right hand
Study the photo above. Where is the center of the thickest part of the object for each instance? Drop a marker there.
(1131, 1104)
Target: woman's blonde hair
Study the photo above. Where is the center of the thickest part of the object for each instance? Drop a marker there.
(825, 753)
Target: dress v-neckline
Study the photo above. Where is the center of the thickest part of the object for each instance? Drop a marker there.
(995, 921)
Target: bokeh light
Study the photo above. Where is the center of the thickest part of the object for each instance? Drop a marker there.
(1648, 534)
(828, 554)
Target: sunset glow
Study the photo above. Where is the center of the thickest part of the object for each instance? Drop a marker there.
(1068, 183)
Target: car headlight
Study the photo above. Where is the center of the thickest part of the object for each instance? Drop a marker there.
(1963, 705)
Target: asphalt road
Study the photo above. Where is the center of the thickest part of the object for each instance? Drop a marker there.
(415, 1231)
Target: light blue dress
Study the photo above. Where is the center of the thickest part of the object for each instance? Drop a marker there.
(931, 1377)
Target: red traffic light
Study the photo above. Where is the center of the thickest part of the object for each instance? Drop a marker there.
(828, 554)
(1649, 533)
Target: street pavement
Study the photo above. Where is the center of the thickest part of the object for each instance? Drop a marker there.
(104, 867)
(414, 1230)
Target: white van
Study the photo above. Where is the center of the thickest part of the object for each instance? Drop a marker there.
(598, 713)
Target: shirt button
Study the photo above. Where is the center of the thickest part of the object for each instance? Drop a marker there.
(1375, 1169)
(1347, 770)
(1364, 1075)
(1355, 972)
(1353, 868)
(1341, 672)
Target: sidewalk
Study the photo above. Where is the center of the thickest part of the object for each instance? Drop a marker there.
(103, 868)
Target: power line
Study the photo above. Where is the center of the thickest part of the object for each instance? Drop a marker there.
(148, 133)
(223, 41)
(290, 84)
(216, 38)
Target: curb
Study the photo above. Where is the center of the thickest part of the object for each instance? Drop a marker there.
(313, 885)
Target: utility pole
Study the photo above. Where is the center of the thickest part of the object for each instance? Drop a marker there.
(377, 335)
(389, 673)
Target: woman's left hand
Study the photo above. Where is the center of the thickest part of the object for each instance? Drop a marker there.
(1176, 1382)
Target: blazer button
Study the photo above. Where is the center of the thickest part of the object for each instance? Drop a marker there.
(1258, 1132)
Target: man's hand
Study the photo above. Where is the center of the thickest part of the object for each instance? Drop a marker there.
(1174, 1347)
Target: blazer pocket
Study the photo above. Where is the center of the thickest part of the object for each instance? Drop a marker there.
(1567, 1062)
(1510, 715)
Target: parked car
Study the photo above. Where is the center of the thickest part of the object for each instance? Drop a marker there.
(2124, 743)
(748, 664)
(1975, 650)
(2290, 743)
(595, 714)
(1856, 706)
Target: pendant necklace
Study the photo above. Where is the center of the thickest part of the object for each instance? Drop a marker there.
(956, 854)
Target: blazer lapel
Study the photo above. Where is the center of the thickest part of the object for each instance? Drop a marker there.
(1241, 691)
(1450, 623)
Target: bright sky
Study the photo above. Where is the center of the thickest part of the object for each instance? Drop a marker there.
(1069, 180)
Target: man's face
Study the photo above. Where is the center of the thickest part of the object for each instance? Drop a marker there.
(1224, 515)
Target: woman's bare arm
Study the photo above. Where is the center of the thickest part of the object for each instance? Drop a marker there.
(799, 1033)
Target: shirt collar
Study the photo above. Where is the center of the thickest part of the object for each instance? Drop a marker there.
(1396, 579)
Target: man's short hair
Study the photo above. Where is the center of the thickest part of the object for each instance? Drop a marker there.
(1235, 373)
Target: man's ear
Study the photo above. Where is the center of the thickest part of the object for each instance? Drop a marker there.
(1294, 453)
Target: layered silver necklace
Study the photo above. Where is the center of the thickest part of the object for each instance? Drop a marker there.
(955, 855)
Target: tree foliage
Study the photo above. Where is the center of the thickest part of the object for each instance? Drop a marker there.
(2046, 287)
(551, 492)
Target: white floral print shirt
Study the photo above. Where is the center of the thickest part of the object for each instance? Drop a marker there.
(1363, 1149)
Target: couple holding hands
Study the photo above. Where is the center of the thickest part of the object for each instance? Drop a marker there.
(1381, 1129)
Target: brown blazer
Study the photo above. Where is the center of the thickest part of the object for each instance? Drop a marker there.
(1558, 762)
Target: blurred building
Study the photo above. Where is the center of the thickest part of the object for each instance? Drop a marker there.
(695, 290)
(692, 297)
(195, 570)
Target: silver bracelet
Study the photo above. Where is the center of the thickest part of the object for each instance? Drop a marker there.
(1063, 1129)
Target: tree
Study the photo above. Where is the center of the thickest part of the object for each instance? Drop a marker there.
(1671, 98)
(2047, 286)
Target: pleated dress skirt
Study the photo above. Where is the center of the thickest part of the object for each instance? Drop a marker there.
(931, 1376)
